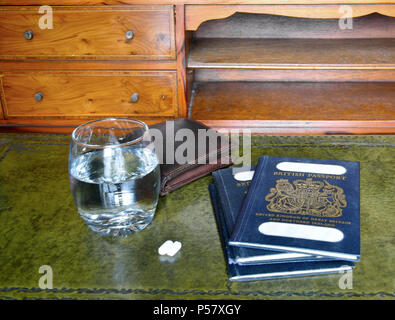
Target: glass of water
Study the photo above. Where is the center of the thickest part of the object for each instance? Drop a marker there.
(114, 175)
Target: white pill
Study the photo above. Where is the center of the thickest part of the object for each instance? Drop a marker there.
(165, 247)
(174, 249)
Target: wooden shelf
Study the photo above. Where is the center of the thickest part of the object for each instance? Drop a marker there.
(277, 74)
(292, 53)
(296, 107)
(288, 101)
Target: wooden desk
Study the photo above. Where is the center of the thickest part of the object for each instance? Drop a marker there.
(276, 67)
(41, 226)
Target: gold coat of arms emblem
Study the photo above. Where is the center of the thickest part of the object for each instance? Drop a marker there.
(307, 197)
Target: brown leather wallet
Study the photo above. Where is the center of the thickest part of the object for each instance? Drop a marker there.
(195, 163)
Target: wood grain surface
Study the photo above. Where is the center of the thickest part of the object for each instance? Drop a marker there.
(293, 53)
(181, 61)
(313, 80)
(90, 94)
(253, 75)
(89, 33)
(195, 2)
(197, 14)
(1, 99)
(50, 126)
(294, 101)
(268, 26)
(9, 65)
(302, 127)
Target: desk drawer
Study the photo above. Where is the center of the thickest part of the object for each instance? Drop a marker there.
(87, 94)
(123, 33)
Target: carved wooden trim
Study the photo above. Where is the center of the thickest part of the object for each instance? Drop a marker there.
(195, 15)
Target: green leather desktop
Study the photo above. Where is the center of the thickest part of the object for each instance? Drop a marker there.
(40, 226)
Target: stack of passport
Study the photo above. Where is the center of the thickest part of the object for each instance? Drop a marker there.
(288, 217)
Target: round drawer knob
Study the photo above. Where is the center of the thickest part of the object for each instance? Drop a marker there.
(134, 97)
(28, 35)
(38, 96)
(129, 35)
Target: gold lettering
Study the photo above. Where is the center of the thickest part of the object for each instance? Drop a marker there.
(290, 174)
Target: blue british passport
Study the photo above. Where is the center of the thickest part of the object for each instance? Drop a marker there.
(238, 272)
(232, 186)
(299, 205)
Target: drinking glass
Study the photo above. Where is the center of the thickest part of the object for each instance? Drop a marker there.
(114, 175)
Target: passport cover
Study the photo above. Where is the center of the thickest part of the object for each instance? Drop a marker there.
(237, 272)
(231, 193)
(175, 175)
(306, 212)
